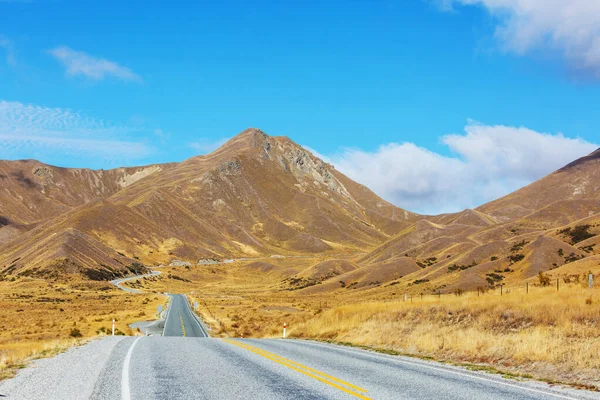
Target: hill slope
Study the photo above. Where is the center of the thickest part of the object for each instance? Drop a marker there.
(553, 223)
(256, 195)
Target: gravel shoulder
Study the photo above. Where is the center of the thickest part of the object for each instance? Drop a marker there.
(69, 375)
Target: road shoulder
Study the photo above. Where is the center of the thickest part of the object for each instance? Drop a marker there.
(72, 374)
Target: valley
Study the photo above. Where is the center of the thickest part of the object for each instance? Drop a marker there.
(262, 232)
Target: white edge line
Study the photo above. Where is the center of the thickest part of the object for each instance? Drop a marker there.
(195, 318)
(482, 378)
(168, 313)
(125, 392)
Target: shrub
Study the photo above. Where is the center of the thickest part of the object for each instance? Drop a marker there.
(543, 279)
(75, 333)
(577, 234)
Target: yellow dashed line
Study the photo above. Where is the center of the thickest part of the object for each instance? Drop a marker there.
(313, 373)
(182, 325)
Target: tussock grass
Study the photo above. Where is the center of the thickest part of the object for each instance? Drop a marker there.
(39, 318)
(548, 334)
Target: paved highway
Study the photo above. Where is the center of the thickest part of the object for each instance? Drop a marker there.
(117, 282)
(181, 321)
(186, 364)
(206, 368)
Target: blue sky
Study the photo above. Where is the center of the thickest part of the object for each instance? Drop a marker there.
(105, 84)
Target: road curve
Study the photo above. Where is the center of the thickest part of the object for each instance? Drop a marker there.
(117, 282)
(190, 368)
(181, 321)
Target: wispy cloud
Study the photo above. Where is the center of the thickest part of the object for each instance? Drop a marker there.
(31, 131)
(80, 63)
(204, 146)
(569, 27)
(8, 47)
(489, 162)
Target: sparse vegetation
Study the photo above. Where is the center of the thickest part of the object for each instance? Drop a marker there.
(456, 267)
(577, 234)
(427, 262)
(515, 258)
(55, 315)
(543, 279)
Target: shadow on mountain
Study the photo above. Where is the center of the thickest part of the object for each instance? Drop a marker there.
(23, 180)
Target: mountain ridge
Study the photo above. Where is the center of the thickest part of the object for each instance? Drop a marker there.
(255, 195)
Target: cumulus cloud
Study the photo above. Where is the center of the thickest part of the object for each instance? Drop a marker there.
(487, 162)
(7, 46)
(80, 63)
(31, 131)
(570, 27)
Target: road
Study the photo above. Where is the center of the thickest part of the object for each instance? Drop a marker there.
(117, 282)
(187, 364)
(157, 367)
(181, 321)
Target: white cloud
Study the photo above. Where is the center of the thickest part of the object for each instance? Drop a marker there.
(80, 63)
(489, 162)
(28, 131)
(7, 46)
(204, 146)
(570, 26)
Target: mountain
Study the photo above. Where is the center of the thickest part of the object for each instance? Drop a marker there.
(576, 183)
(551, 224)
(256, 195)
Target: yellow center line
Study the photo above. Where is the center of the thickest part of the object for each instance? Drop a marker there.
(313, 373)
(258, 350)
(182, 325)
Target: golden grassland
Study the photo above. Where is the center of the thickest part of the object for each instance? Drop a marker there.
(40, 318)
(547, 334)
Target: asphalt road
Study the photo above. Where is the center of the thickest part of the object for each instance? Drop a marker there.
(185, 363)
(117, 282)
(158, 367)
(181, 321)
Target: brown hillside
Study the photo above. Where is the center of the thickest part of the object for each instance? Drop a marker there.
(33, 191)
(576, 181)
(257, 195)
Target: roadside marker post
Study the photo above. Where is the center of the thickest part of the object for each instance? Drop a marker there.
(405, 296)
(284, 328)
(591, 281)
(159, 310)
(113, 327)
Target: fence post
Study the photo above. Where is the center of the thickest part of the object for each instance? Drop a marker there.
(557, 287)
(501, 286)
(439, 293)
(527, 290)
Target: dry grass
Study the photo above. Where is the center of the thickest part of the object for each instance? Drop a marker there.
(40, 318)
(546, 334)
